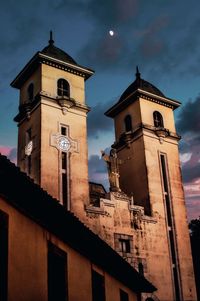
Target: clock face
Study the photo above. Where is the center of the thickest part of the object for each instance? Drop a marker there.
(64, 144)
(29, 148)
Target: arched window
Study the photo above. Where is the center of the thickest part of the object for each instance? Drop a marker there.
(63, 87)
(30, 91)
(158, 119)
(128, 123)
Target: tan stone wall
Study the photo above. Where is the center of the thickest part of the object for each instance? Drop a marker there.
(134, 111)
(50, 76)
(140, 173)
(35, 78)
(148, 235)
(133, 174)
(35, 124)
(150, 243)
(51, 119)
(27, 264)
(45, 120)
(148, 107)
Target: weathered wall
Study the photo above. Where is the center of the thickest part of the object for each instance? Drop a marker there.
(27, 263)
(141, 175)
(149, 243)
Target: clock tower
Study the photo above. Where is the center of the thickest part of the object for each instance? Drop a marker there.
(52, 135)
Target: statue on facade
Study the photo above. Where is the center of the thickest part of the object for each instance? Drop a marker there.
(113, 169)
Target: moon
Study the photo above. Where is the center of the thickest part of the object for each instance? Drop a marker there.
(111, 33)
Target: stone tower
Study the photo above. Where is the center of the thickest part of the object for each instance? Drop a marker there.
(147, 147)
(143, 217)
(52, 135)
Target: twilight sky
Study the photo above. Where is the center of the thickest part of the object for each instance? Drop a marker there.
(161, 36)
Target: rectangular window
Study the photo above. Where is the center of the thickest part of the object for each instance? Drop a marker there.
(125, 245)
(98, 287)
(166, 189)
(3, 256)
(57, 274)
(64, 161)
(123, 296)
(63, 131)
(64, 189)
(171, 232)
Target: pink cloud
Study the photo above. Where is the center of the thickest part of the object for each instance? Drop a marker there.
(5, 150)
(192, 189)
(192, 196)
(193, 208)
(10, 152)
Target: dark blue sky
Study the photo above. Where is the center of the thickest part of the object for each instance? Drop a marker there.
(161, 36)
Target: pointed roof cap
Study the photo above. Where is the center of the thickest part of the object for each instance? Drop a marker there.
(57, 53)
(54, 56)
(140, 87)
(142, 84)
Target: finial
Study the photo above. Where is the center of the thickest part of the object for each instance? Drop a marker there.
(51, 41)
(137, 74)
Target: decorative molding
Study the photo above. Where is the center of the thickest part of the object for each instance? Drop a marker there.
(120, 195)
(127, 138)
(136, 95)
(71, 144)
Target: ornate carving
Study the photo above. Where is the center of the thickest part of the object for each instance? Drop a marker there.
(64, 142)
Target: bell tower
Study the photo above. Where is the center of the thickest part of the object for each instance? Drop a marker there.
(52, 131)
(146, 143)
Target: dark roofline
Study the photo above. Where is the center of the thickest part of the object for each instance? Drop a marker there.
(119, 106)
(39, 58)
(38, 205)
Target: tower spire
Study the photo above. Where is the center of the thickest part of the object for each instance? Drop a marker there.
(137, 74)
(51, 41)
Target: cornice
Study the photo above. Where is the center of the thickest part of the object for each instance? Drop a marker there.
(127, 138)
(136, 95)
(40, 58)
(64, 103)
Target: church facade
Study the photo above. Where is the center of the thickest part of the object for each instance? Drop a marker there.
(143, 217)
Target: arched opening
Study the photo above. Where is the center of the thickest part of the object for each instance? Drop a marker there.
(128, 123)
(30, 92)
(158, 119)
(63, 88)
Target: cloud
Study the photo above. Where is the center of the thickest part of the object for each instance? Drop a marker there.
(97, 121)
(104, 52)
(190, 172)
(193, 207)
(9, 152)
(146, 34)
(189, 118)
(192, 189)
(5, 150)
(98, 171)
(12, 156)
(112, 13)
(192, 194)
(185, 157)
(188, 125)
